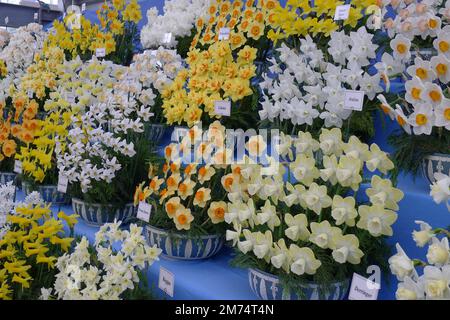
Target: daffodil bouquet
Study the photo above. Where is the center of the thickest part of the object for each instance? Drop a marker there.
(304, 220)
(77, 36)
(306, 84)
(419, 52)
(30, 247)
(189, 195)
(213, 74)
(102, 272)
(299, 18)
(105, 144)
(245, 23)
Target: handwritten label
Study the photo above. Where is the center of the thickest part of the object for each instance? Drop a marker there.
(342, 12)
(167, 37)
(353, 100)
(63, 182)
(222, 108)
(18, 166)
(224, 33)
(363, 289)
(144, 211)
(100, 52)
(166, 281)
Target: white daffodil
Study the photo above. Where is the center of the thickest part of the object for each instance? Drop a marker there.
(324, 235)
(438, 252)
(421, 69)
(442, 114)
(348, 172)
(401, 47)
(378, 160)
(409, 290)
(436, 282)
(414, 89)
(402, 119)
(424, 235)
(441, 65)
(316, 198)
(235, 235)
(268, 215)
(295, 195)
(382, 193)
(297, 227)
(304, 169)
(346, 249)
(356, 149)
(331, 141)
(330, 164)
(263, 245)
(305, 143)
(246, 245)
(401, 265)
(343, 210)
(376, 219)
(440, 190)
(304, 261)
(432, 94)
(280, 256)
(422, 119)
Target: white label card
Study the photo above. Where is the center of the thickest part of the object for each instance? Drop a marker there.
(30, 93)
(342, 12)
(353, 100)
(36, 16)
(224, 33)
(18, 166)
(167, 37)
(363, 289)
(144, 210)
(63, 182)
(6, 20)
(83, 7)
(222, 108)
(100, 52)
(166, 281)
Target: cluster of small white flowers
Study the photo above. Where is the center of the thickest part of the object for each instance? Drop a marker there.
(110, 273)
(425, 105)
(7, 194)
(310, 87)
(83, 82)
(178, 19)
(24, 43)
(99, 133)
(435, 281)
(156, 68)
(341, 167)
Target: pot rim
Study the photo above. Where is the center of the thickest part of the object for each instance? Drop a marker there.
(181, 235)
(130, 204)
(308, 284)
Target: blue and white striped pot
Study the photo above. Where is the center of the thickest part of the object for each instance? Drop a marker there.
(266, 286)
(95, 214)
(6, 177)
(438, 162)
(154, 132)
(179, 246)
(48, 192)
